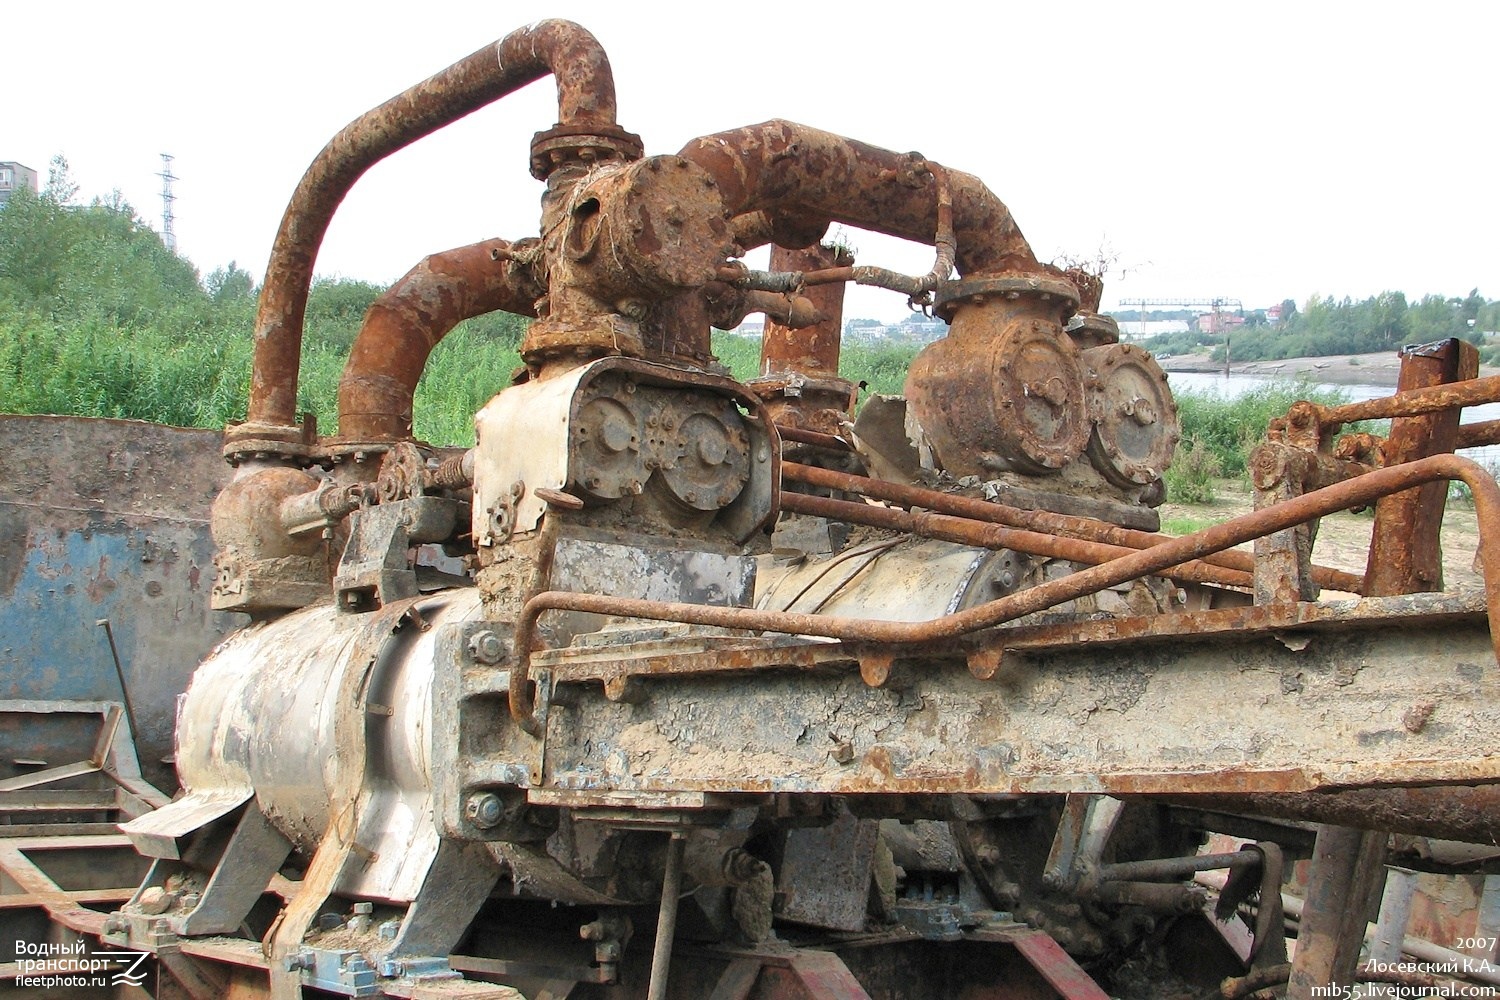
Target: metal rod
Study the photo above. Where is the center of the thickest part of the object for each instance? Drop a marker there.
(1340, 496)
(1160, 869)
(1477, 435)
(994, 536)
(666, 920)
(1470, 392)
(114, 653)
(801, 436)
(1072, 526)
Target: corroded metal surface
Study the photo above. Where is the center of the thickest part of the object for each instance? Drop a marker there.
(588, 706)
(797, 173)
(103, 519)
(1244, 528)
(1135, 419)
(1331, 709)
(1004, 390)
(1405, 554)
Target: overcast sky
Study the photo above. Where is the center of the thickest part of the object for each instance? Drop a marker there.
(1255, 151)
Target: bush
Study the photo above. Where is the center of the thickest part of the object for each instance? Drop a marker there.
(1231, 428)
(1191, 476)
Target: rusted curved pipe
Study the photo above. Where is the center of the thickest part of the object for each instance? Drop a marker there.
(782, 167)
(1032, 520)
(986, 534)
(585, 95)
(404, 324)
(1357, 492)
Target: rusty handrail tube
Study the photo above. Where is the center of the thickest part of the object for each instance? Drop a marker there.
(408, 320)
(801, 435)
(1051, 523)
(586, 95)
(1469, 392)
(1477, 435)
(1356, 492)
(785, 169)
(967, 531)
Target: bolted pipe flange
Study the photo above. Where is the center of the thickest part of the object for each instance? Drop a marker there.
(589, 142)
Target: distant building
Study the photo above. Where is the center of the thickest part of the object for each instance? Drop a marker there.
(15, 175)
(1220, 322)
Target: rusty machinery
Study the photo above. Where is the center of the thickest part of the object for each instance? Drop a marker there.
(773, 701)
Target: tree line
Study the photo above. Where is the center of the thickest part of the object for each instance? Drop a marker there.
(1324, 326)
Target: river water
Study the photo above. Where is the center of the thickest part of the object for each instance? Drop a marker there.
(1230, 386)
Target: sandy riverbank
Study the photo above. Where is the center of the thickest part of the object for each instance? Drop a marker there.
(1340, 369)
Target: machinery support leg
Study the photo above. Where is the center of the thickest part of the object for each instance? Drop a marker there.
(1346, 866)
(666, 921)
(1395, 913)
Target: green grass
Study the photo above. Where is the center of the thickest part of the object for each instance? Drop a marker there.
(1185, 525)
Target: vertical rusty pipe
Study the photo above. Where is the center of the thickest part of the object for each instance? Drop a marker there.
(403, 325)
(586, 96)
(811, 351)
(666, 920)
(1405, 555)
(791, 171)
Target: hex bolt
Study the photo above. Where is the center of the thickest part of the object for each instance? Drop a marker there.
(486, 647)
(483, 809)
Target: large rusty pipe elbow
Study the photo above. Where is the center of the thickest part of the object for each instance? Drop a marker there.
(585, 97)
(793, 171)
(404, 324)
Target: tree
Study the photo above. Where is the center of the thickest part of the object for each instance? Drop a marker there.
(60, 189)
(1288, 313)
(1387, 319)
(229, 284)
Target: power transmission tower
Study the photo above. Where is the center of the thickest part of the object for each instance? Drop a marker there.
(168, 233)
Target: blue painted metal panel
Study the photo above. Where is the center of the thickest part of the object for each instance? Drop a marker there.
(103, 519)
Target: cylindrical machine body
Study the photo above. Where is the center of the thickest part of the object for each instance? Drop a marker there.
(308, 709)
(1004, 389)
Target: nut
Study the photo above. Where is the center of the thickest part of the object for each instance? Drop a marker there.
(486, 647)
(484, 809)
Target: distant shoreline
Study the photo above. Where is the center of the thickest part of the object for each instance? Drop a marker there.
(1381, 368)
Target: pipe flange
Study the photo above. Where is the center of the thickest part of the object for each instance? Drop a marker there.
(1136, 427)
(589, 141)
(1011, 285)
(260, 440)
(337, 452)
